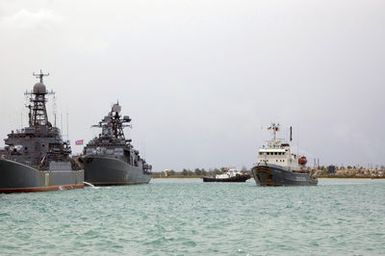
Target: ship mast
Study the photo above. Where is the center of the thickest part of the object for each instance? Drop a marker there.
(275, 128)
(37, 107)
(119, 122)
(40, 75)
(113, 124)
(117, 127)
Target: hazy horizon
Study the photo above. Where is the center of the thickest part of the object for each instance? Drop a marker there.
(202, 80)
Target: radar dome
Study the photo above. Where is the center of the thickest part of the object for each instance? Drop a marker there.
(39, 88)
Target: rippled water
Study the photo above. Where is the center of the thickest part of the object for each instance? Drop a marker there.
(189, 217)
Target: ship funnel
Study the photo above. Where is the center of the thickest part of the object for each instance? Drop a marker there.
(291, 133)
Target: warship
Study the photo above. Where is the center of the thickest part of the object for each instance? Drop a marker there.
(36, 158)
(109, 158)
(278, 166)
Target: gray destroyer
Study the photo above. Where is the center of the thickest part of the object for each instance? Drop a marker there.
(36, 158)
(110, 159)
(277, 166)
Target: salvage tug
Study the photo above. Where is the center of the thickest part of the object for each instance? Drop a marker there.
(278, 166)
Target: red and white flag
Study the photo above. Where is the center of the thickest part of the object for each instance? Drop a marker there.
(79, 142)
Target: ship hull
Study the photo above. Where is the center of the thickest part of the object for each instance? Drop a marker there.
(274, 175)
(238, 178)
(16, 177)
(105, 171)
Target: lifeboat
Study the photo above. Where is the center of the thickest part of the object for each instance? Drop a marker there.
(302, 160)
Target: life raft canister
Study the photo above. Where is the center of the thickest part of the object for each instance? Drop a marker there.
(302, 160)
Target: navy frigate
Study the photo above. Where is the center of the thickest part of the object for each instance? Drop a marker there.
(278, 166)
(36, 158)
(110, 158)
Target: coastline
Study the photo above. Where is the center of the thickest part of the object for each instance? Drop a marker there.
(342, 173)
(349, 177)
(322, 177)
(157, 176)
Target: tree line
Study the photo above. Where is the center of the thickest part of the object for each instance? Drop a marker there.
(197, 172)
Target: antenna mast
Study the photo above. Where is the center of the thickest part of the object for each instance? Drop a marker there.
(37, 107)
(54, 110)
(68, 137)
(40, 75)
(275, 128)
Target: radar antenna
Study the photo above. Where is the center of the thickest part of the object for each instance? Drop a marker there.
(112, 125)
(40, 75)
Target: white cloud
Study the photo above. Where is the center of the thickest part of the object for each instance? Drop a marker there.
(25, 19)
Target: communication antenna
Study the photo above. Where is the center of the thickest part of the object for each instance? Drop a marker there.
(40, 75)
(297, 145)
(67, 127)
(21, 120)
(61, 122)
(54, 109)
(275, 128)
(144, 148)
(27, 105)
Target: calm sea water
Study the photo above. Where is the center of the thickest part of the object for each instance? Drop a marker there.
(189, 217)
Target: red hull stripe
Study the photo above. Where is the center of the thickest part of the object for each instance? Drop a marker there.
(41, 189)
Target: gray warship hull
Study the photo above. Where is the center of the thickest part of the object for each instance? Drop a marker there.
(17, 177)
(106, 171)
(274, 175)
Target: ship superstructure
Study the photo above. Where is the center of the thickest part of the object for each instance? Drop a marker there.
(36, 158)
(278, 152)
(110, 158)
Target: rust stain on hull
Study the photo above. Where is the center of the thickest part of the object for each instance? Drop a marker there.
(265, 176)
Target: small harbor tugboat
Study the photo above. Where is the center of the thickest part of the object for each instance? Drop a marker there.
(232, 175)
(278, 166)
(36, 158)
(110, 159)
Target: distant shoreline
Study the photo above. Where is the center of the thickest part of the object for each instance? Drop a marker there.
(321, 172)
(349, 177)
(321, 177)
(176, 176)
